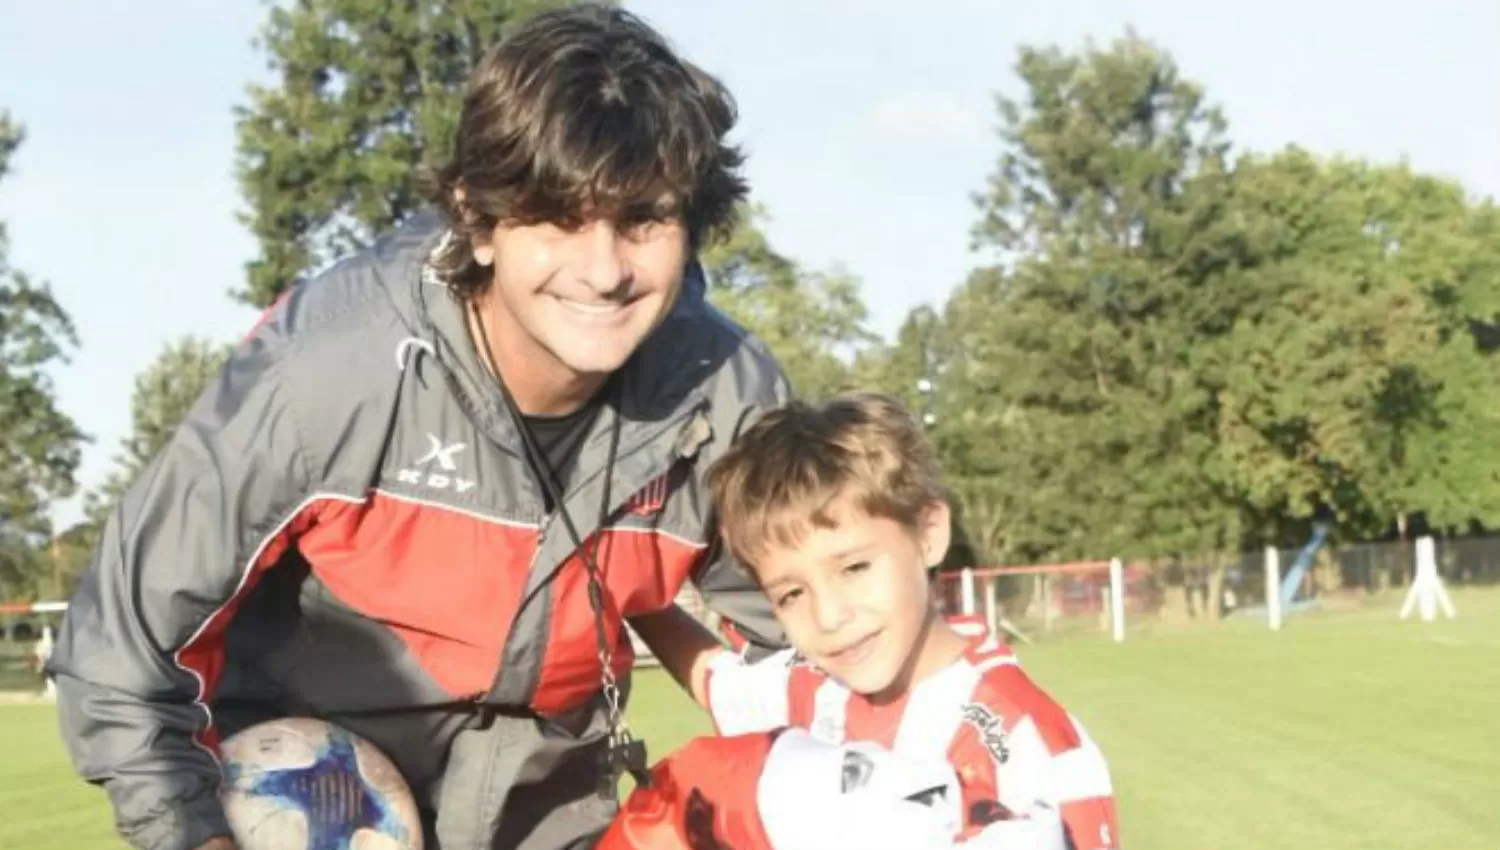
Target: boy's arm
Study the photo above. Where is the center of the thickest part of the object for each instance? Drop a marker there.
(1037, 759)
(1053, 773)
(1086, 796)
(683, 645)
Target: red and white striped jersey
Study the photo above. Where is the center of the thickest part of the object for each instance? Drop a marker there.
(1014, 748)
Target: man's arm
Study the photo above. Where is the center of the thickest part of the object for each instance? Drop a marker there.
(726, 585)
(140, 650)
(684, 646)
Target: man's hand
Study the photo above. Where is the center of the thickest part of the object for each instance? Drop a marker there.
(220, 842)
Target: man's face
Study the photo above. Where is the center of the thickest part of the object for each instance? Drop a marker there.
(854, 598)
(585, 297)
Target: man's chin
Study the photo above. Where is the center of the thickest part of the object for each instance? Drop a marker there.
(595, 364)
(587, 352)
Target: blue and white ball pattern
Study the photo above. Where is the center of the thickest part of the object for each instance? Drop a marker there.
(303, 784)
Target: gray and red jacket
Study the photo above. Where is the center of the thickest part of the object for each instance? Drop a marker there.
(345, 526)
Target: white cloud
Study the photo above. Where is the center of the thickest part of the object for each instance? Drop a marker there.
(928, 116)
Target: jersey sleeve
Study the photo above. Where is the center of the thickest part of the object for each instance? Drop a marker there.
(1085, 794)
(750, 696)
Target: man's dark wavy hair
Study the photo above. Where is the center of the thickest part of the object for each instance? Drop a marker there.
(582, 113)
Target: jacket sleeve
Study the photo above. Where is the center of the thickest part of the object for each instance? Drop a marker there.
(728, 588)
(140, 650)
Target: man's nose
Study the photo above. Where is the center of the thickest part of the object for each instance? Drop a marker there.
(604, 268)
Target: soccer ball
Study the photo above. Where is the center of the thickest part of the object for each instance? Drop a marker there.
(303, 784)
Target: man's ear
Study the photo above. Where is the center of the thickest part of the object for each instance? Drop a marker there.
(937, 532)
(482, 244)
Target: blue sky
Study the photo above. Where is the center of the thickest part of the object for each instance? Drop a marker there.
(868, 123)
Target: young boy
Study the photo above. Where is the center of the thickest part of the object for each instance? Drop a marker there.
(839, 512)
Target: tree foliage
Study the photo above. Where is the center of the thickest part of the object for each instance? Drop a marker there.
(814, 322)
(1179, 351)
(366, 92)
(163, 394)
(39, 444)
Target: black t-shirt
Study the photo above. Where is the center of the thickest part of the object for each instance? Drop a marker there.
(560, 437)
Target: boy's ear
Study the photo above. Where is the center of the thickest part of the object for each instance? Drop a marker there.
(937, 532)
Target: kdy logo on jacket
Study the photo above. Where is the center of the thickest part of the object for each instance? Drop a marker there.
(438, 468)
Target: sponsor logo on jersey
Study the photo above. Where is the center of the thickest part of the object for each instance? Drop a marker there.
(991, 730)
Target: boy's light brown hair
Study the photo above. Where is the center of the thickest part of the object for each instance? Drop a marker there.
(785, 474)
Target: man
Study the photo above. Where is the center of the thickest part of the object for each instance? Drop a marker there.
(392, 508)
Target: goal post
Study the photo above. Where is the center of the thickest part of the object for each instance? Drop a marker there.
(1093, 595)
(1427, 593)
(1273, 588)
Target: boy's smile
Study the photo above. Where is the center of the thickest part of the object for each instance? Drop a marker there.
(852, 596)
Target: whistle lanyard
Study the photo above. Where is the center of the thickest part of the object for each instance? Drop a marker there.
(624, 752)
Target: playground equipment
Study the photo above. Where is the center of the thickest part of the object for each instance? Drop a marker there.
(1298, 570)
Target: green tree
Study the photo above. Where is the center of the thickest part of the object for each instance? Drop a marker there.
(1177, 354)
(1429, 431)
(39, 444)
(814, 322)
(907, 367)
(366, 93)
(1348, 380)
(164, 393)
(1071, 413)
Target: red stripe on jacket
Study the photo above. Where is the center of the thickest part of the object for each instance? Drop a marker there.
(448, 584)
(203, 653)
(643, 570)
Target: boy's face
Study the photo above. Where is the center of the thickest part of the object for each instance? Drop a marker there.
(854, 598)
(586, 297)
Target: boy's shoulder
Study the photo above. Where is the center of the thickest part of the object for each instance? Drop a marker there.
(1005, 698)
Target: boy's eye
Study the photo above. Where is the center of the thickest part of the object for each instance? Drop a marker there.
(788, 598)
(856, 567)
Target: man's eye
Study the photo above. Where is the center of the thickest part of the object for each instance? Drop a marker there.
(644, 223)
(640, 229)
(565, 226)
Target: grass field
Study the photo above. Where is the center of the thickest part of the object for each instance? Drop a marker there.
(1343, 731)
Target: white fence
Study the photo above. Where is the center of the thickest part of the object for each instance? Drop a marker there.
(1107, 596)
